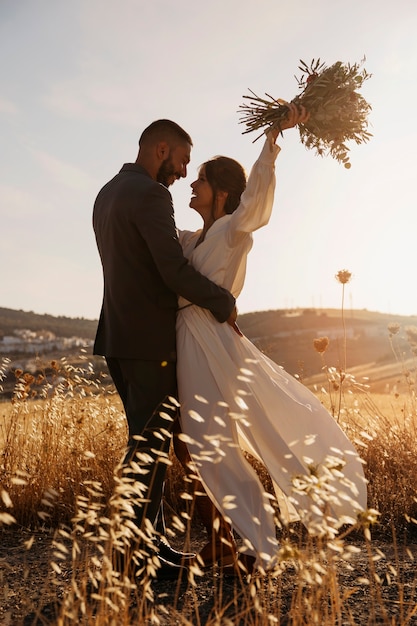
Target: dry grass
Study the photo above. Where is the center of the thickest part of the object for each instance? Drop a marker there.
(57, 434)
(62, 437)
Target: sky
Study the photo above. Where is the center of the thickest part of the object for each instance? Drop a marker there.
(80, 80)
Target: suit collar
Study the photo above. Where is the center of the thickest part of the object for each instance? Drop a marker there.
(135, 167)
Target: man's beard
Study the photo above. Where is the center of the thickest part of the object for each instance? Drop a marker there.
(165, 172)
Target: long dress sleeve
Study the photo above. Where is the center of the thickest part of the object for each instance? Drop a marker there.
(257, 200)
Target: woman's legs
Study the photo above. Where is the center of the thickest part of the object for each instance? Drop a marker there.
(221, 546)
(229, 479)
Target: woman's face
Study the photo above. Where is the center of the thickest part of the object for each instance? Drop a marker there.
(202, 194)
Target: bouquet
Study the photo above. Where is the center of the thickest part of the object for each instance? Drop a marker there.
(338, 113)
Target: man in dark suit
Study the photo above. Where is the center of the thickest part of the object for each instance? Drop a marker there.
(144, 270)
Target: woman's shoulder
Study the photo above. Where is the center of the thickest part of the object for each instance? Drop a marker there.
(185, 236)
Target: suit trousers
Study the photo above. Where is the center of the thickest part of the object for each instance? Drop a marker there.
(148, 390)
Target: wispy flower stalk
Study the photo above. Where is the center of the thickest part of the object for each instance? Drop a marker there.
(343, 277)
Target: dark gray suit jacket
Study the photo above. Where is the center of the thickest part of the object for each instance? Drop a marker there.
(144, 269)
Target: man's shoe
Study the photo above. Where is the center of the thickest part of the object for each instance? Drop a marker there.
(170, 571)
(136, 570)
(166, 552)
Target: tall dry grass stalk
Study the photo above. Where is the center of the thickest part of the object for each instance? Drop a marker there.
(62, 437)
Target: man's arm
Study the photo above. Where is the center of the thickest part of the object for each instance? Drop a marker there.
(157, 226)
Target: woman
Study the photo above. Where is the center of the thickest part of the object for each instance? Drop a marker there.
(234, 398)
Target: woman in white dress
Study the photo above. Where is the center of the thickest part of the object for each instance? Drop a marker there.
(234, 398)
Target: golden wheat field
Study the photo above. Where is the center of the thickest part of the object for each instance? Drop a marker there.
(62, 436)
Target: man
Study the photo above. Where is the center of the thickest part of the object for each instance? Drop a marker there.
(144, 270)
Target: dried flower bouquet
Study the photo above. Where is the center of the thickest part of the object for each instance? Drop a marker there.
(338, 113)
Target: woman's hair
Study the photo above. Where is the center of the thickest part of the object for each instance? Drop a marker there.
(224, 174)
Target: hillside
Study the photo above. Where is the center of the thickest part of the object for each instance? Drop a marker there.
(372, 351)
(287, 338)
(11, 320)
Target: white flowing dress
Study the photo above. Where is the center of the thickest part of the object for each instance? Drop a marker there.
(234, 398)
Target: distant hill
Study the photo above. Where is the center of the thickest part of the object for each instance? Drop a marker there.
(372, 349)
(287, 338)
(11, 320)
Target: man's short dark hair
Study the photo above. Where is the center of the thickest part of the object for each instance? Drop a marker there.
(164, 130)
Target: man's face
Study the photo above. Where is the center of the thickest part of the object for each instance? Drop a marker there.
(175, 165)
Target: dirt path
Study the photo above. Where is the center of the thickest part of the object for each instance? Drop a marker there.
(28, 597)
